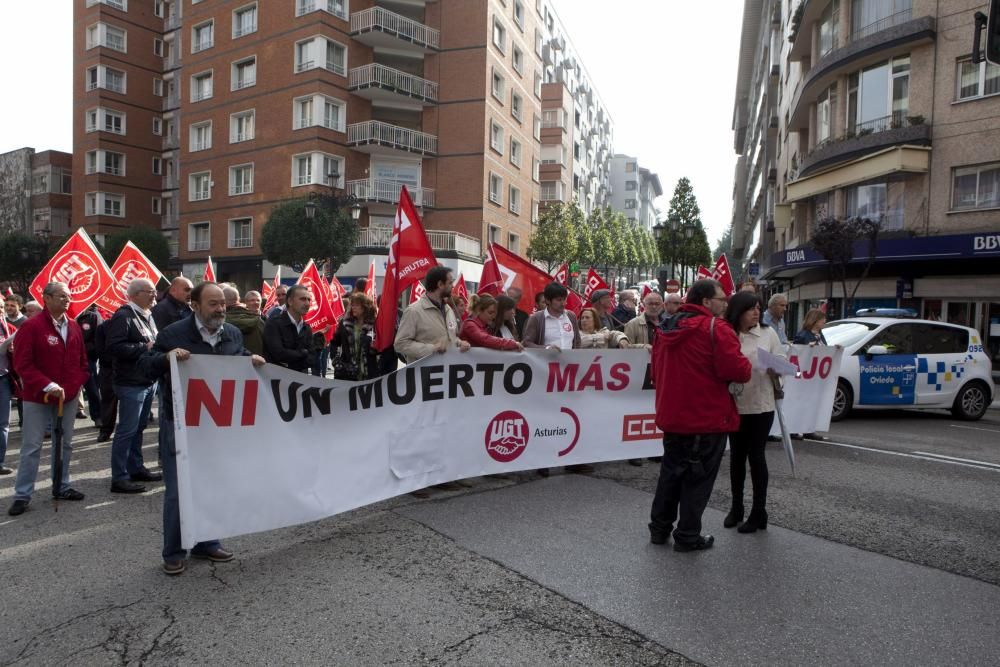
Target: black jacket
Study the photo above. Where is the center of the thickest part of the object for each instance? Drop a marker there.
(621, 316)
(520, 320)
(345, 364)
(155, 364)
(287, 347)
(168, 311)
(89, 320)
(126, 339)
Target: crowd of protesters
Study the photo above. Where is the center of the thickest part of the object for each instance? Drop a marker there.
(706, 389)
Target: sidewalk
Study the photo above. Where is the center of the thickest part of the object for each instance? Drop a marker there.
(776, 597)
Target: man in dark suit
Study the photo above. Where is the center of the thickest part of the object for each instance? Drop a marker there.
(287, 338)
(520, 317)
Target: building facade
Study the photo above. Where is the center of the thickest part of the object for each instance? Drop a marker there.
(872, 109)
(634, 190)
(197, 117)
(36, 192)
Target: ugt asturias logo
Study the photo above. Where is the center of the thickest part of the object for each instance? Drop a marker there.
(506, 436)
(77, 271)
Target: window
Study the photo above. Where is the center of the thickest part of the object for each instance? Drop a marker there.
(516, 106)
(976, 187)
(121, 5)
(629, 203)
(829, 19)
(630, 167)
(493, 234)
(977, 80)
(517, 59)
(200, 136)
(200, 236)
(108, 36)
(241, 179)
(158, 47)
(157, 205)
(200, 186)
(538, 42)
(898, 339)
(244, 73)
(939, 339)
(515, 152)
(157, 125)
(535, 169)
(102, 76)
(871, 16)
(103, 203)
(519, 13)
(321, 52)
(630, 185)
(320, 110)
(335, 7)
(824, 114)
(514, 242)
(317, 169)
(105, 162)
(244, 20)
(514, 200)
(877, 201)
(158, 8)
(241, 233)
(538, 85)
(158, 87)
(496, 137)
(496, 189)
(158, 166)
(105, 120)
(536, 127)
(241, 126)
(878, 97)
(499, 35)
(202, 36)
(499, 85)
(201, 86)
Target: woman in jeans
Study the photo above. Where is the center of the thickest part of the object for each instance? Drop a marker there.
(755, 402)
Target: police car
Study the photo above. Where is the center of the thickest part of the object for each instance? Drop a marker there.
(894, 363)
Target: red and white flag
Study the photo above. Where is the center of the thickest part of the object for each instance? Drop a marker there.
(418, 291)
(321, 313)
(370, 283)
(504, 270)
(209, 275)
(594, 283)
(130, 265)
(702, 273)
(562, 274)
(337, 289)
(410, 257)
(270, 292)
(266, 291)
(645, 290)
(723, 275)
(337, 293)
(9, 291)
(460, 288)
(81, 267)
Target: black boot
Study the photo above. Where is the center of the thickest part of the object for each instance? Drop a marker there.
(734, 517)
(756, 521)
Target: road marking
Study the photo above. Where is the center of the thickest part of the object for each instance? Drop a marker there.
(975, 428)
(955, 458)
(90, 507)
(979, 465)
(6, 522)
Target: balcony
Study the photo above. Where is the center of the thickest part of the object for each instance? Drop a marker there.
(380, 138)
(171, 141)
(172, 101)
(379, 83)
(173, 21)
(440, 240)
(170, 219)
(552, 191)
(387, 192)
(380, 28)
(869, 137)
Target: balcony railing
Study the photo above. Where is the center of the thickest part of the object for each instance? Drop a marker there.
(880, 25)
(387, 78)
(552, 192)
(392, 136)
(172, 100)
(173, 21)
(371, 189)
(378, 237)
(893, 121)
(171, 141)
(377, 18)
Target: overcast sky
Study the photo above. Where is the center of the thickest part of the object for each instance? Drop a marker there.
(665, 68)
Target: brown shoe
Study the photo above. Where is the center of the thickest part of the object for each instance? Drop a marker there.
(216, 555)
(174, 567)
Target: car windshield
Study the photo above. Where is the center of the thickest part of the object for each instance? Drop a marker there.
(846, 333)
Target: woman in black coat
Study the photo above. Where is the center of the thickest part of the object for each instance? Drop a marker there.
(351, 347)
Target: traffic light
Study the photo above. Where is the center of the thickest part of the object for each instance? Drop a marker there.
(992, 25)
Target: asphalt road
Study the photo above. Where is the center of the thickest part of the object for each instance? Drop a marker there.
(378, 586)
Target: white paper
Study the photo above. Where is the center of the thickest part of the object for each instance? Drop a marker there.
(767, 361)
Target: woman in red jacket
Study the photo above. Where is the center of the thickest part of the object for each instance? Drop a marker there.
(476, 330)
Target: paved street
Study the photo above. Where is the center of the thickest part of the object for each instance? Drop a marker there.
(859, 566)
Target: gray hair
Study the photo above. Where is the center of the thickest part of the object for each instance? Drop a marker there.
(652, 295)
(777, 298)
(34, 304)
(231, 294)
(138, 285)
(252, 293)
(51, 289)
(627, 294)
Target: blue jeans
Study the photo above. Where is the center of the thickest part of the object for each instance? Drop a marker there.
(4, 416)
(172, 549)
(37, 418)
(134, 404)
(322, 360)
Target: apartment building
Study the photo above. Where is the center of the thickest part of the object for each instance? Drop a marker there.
(871, 108)
(634, 190)
(36, 192)
(197, 117)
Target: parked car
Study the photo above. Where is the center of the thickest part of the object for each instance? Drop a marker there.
(892, 363)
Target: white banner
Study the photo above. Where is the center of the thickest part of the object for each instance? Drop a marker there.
(808, 399)
(265, 448)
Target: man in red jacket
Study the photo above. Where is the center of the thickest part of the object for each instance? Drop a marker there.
(695, 357)
(49, 356)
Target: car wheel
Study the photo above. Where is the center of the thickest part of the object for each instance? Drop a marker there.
(843, 401)
(972, 402)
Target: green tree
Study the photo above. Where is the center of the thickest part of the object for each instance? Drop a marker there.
(152, 243)
(554, 239)
(583, 235)
(601, 238)
(835, 240)
(689, 252)
(642, 251)
(624, 252)
(289, 237)
(22, 256)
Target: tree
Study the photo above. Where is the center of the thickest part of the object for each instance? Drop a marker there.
(622, 250)
(601, 238)
(152, 243)
(554, 239)
(22, 256)
(643, 251)
(684, 204)
(725, 244)
(584, 236)
(689, 252)
(289, 237)
(835, 240)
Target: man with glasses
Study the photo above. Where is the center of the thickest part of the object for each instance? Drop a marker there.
(695, 357)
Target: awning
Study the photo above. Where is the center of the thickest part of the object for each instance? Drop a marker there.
(898, 159)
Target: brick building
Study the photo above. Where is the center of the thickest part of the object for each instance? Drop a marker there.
(36, 192)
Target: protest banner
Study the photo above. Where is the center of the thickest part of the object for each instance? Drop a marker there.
(808, 400)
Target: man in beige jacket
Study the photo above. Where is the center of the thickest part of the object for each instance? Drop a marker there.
(430, 325)
(641, 330)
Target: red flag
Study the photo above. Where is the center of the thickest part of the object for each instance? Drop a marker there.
(418, 291)
(337, 289)
(410, 257)
(504, 270)
(702, 273)
(460, 288)
(722, 274)
(370, 283)
(266, 291)
(209, 275)
(337, 293)
(562, 274)
(130, 265)
(575, 302)
(271, 297)
(81, 267)
(9, 291)
(645, 290)
(321, 313)
(594, 283)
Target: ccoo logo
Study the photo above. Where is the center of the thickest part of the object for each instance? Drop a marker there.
(506, 436)
(75, 269)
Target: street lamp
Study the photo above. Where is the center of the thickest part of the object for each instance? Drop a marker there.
(332, 201)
